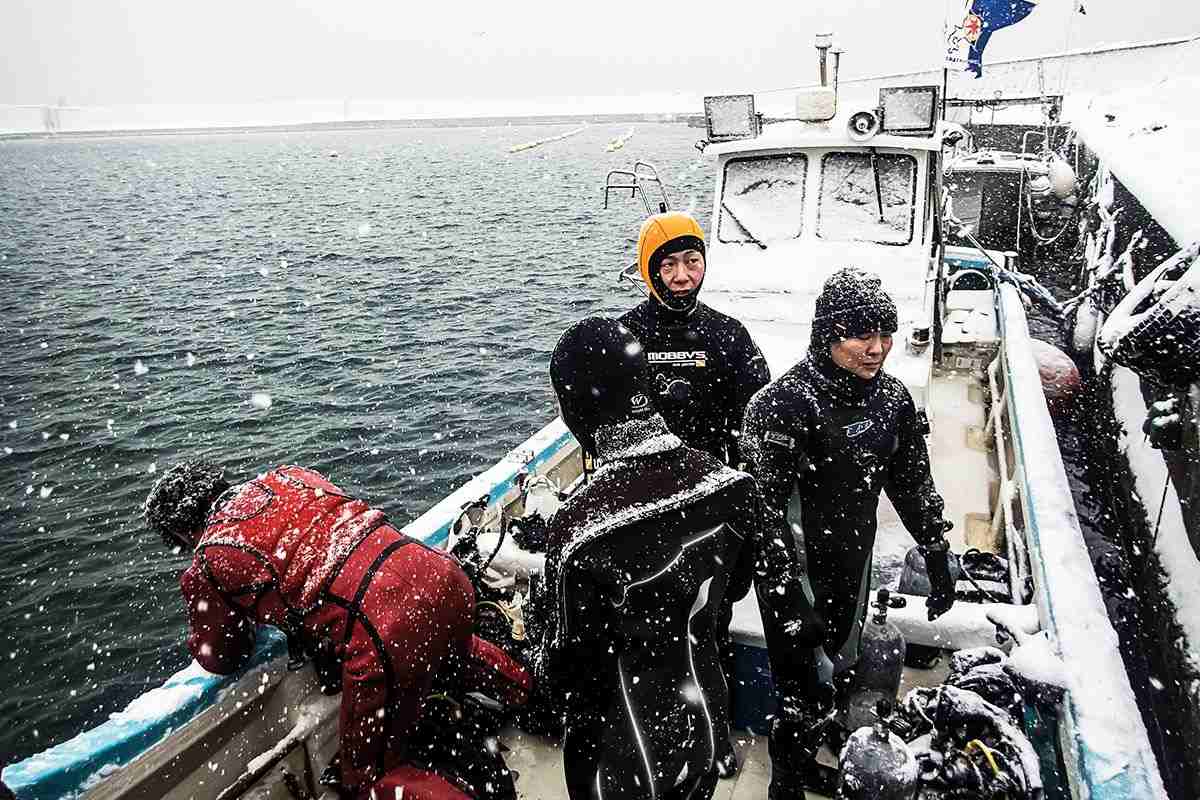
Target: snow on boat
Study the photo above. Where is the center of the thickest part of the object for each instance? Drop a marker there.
(794, 202)
(1012, 201)
(1136, 147)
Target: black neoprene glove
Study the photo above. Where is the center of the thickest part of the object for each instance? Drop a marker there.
(941, 585)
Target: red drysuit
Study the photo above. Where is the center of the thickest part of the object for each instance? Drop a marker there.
(291, 549)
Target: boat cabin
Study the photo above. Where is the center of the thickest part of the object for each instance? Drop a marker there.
(798, 199)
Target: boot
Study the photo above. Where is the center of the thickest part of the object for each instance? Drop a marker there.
(793, 746)
(727, 763)
(791, 756)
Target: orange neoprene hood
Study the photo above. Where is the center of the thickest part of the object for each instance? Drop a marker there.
(656, 236)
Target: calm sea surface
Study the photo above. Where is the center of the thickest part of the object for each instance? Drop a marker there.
(397, 303)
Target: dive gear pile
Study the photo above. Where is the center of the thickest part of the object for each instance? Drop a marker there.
(962, 739)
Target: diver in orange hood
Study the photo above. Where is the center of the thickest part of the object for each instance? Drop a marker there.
(703, 365)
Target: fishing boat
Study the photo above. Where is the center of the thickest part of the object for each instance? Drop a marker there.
(794, 201)
(1012, 200)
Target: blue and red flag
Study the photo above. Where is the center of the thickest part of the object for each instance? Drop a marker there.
(968, 31)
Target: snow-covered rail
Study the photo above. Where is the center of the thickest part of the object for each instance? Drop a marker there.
(1104, 741)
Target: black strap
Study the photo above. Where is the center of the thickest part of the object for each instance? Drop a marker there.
(354, 607)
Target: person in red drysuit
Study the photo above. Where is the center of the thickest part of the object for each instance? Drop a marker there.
(290, 549)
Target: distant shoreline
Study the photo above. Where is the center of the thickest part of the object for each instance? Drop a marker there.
(351, 125)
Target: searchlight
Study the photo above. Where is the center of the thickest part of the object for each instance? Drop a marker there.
(909, 110)
(730, 116)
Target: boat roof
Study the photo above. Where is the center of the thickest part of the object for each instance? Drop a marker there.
(1145, 137)
(996, 161)
(799, 135)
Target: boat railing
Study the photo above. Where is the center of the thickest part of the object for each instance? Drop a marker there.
(1006, 514)
(636, 182)
(1104, 740)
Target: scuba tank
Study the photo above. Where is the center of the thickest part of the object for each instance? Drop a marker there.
(880, 663)
(876, 764)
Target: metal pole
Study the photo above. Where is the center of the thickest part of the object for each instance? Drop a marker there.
(824, 42)
(945, 83)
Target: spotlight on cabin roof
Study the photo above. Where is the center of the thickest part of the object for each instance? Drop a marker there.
(909, 110)
(730, 116)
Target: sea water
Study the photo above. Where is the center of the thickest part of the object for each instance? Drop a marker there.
(379, 305)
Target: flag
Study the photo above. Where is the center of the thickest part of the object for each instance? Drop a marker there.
(970, 27)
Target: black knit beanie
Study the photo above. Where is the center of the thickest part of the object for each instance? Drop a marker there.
(851, 303)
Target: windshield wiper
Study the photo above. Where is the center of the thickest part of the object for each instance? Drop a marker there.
(878, 190)
(749, 235)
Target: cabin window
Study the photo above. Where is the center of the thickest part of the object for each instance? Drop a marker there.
(763, 199)
(867, 200)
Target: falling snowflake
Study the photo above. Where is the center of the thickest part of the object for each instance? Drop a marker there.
(191, 360)
(139, 368)
(261, 401)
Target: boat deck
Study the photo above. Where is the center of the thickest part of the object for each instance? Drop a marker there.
(537, 760)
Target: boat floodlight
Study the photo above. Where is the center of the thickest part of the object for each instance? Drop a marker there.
(730, 116)
(909, 110)
(863, 125)
(816, 105)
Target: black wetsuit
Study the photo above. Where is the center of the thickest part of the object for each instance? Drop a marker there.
(823, 443)
(719, 361)
(639, 561)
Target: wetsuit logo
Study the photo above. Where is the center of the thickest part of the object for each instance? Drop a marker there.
(781, 439)
(639, 404)
(679, 358)
(858, 428)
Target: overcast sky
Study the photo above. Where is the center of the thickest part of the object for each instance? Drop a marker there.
(97, 52)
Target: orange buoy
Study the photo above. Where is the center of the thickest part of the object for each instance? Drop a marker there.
(1060, 377)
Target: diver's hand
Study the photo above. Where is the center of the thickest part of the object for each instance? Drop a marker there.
(941, 585)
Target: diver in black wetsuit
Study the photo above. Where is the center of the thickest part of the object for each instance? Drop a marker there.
(638, 562)
(704, 366)
(823, 440)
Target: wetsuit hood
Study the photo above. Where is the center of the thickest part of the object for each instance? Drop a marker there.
(598, 372)
(660, 236)
(178, 505)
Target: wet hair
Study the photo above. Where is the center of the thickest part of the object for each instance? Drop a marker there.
(180, 500)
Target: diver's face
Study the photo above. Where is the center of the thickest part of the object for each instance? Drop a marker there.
(682, 272)
(862, 355)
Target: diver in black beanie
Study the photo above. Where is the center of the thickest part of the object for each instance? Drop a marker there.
(832, 432)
